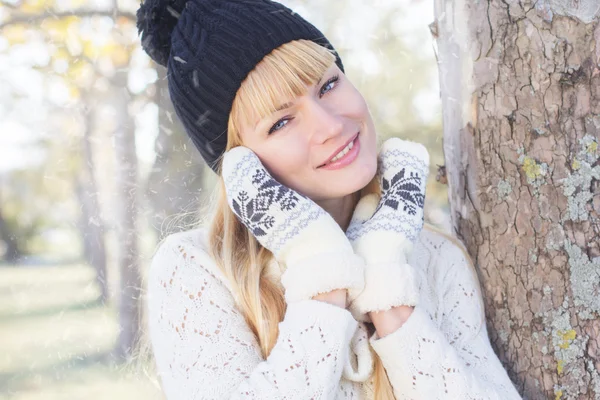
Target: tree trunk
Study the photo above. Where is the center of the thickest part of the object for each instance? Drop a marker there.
(12, 253)
(126, 223)
(91, 225)
(520, 88)
(175, 182)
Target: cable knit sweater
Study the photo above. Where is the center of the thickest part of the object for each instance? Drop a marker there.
(204, 348)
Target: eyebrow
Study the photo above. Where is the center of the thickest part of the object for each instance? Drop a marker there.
(283, 107)
(288, 104)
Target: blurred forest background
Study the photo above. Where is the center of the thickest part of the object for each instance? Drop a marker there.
(95, 169)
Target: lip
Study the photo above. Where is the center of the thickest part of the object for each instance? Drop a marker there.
(339, 149)
(347, 159)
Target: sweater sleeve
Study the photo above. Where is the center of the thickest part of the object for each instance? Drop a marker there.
(204, 349)
(452, 359)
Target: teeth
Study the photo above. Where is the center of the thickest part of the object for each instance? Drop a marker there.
(343, 152)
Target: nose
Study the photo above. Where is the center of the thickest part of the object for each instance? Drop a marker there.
(326, 122)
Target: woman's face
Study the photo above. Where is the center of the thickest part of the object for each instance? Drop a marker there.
(297, 143)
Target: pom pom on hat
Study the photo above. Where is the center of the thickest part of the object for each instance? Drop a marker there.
(156, 20)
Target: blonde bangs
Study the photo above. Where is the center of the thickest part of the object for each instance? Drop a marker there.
(281, 76)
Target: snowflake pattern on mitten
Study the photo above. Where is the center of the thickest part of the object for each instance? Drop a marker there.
(403, 171)
(255, 211)
(403, 189)
(274, 213)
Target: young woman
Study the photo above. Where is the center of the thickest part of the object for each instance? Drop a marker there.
(313, 278)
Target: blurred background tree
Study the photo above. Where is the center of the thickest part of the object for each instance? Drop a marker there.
(95, 169)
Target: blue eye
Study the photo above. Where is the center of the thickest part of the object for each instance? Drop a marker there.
(280, 124)
(329, 85)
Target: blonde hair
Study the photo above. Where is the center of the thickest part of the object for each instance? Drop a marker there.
(282, 74)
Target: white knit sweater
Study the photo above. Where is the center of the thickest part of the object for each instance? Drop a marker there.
(205, 350)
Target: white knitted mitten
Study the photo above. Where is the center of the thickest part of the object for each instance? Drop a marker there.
(383, 230)
(301, 235)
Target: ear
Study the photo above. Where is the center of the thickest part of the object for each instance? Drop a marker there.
(365, 208)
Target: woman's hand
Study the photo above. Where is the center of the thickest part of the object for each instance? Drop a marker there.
(301, 235)
(382, 230)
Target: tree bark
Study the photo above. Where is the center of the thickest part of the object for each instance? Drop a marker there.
(520, 88)
(126, 223)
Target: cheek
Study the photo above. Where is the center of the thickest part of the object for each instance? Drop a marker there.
(285, 160)
(354, 103)
(358, 110)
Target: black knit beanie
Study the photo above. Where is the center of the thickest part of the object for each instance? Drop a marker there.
(209, 47)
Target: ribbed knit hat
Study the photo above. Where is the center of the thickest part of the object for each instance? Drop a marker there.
(209, 47)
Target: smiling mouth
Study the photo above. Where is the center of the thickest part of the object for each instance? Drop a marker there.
(345, 149)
